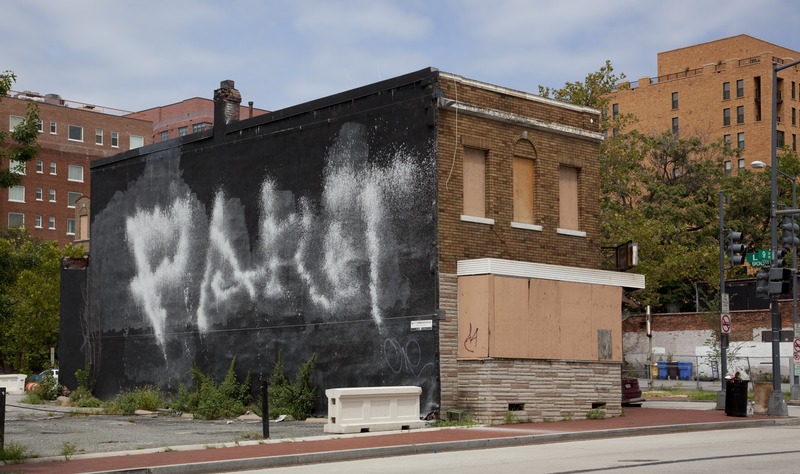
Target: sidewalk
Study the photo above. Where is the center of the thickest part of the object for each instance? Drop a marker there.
(647, 419)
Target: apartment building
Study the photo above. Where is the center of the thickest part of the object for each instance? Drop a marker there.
(720, 90)
(71, 134)
(185, 117)
(428, 230)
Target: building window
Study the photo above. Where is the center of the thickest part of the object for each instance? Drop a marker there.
(52, 195)
(726, 116)
(38, 222)
(16, 194)
(199, 127)
(14, 121)
(182, 131)
(793, 95)
(740, 88)
(674, 125)
(740, 114)
(794, 142)
(98, 136)
(137, 141)
(39, 194)
(794, 116)
(16, 219)
(726, 90)
(72, 198)
(474, 182)
(165, 135)
(51, 223)
(568, 198)
(727, 140)
(70, 226)
(674, 100)
(114, 139)
(84, 220)
(75, 133)
(75, 173)
(727, 167)
(523, 190)
(53, 167)
(17, 167)
(53, 131)
(781, 139)
(740, 140)
(615, 111)
(39, 126)
(741, 163)
(39, 166)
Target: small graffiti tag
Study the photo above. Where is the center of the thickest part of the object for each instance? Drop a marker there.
(471, 340)
(408, 357)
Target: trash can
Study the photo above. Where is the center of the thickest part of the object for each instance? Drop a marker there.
(736, 397)
(672, 370)
(654, 371)
(685, 370)
(662, 369)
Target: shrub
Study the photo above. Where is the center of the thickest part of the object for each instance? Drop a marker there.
(82, 397)
(126, 403)
(209, 401)
(294, 399)
(14, 453)
(49, 388)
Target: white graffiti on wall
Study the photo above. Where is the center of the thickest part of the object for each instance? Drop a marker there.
(343, 251)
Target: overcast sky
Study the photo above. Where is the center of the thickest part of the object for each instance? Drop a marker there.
(133, 55)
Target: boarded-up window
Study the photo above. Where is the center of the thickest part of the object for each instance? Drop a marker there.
(568, 198)
(84, 227)
(474, 182)
(523, 190)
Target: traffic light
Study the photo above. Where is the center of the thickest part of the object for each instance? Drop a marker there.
(779, 281)
(735, 248)
(762, 283)
(789, 232)
(780, 258)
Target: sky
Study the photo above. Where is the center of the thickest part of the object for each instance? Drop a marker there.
(134, 55)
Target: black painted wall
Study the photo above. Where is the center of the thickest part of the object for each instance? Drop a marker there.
(309, 230)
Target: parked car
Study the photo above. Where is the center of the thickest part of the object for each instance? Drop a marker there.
(38, 377)
(631, 393)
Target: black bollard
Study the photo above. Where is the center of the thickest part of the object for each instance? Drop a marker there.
(2, 417)
(264, 410)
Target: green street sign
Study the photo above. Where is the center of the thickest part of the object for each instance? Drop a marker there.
(761, 258)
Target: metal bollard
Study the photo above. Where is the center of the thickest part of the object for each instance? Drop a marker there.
(264, 410)
(2, 417)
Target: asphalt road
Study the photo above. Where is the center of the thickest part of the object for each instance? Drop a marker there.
(741, 451)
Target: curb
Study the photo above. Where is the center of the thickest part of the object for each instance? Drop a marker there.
(445, 446)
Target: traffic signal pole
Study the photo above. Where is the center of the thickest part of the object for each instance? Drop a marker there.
(723, 337)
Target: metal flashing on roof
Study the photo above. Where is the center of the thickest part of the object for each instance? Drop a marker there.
(495, 266)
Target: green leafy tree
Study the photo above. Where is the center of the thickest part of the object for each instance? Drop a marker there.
(29, 299)
(20, 144)
(592, 92)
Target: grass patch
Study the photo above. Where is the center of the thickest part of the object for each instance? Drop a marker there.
(14, 453)
(464, 422)
(596, 414)
(68, 449)
(671, 392)
(126, 403)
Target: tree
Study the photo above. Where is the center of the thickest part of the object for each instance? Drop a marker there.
(22, 146)
(590, 93)
(29, 299)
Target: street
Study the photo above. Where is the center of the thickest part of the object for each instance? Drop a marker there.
(774, 449)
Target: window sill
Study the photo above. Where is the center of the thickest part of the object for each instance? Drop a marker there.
(574, 233)
(522, 225)
(477, 220)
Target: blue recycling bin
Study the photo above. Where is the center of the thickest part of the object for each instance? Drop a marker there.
(662, 369)
(685, 370)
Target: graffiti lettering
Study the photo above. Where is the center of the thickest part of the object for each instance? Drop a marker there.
(471, 339)
(404, 358)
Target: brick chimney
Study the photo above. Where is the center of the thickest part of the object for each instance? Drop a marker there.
(226, 105)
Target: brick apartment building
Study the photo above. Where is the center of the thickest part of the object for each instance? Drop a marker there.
(71, 134)
(185, 117)
(720, 90)
(427, 230)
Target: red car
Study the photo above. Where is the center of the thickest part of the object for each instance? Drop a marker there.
(631, 393)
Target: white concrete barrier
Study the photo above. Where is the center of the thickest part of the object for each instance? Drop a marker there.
(14, 383)
(363, 409)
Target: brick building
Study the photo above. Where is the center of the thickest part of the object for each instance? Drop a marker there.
(720, 90)
(71, 135)
(187, 116)
(427, 230)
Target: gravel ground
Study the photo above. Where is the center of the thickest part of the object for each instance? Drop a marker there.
(44, 430)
